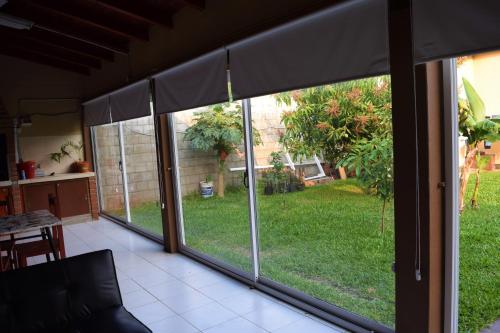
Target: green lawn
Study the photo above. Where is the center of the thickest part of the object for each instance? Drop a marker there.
(325, 241)
(479, 296)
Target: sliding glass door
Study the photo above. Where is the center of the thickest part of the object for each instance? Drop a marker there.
(127, 170)
(318, 207)
(212, 183)
(141, 173)
(108, 160)
(324, 184)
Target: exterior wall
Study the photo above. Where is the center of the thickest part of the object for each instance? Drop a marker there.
(141, 164)
(483, 71)
(142, 167)
(195, 165)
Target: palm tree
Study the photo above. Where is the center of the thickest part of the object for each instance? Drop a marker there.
(476, 128)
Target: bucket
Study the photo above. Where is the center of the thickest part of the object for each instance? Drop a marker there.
(206, 189)
(28, 167)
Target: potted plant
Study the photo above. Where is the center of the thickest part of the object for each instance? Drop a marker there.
(268, 183)
(220, 129)
(207, 187)
(66, 150)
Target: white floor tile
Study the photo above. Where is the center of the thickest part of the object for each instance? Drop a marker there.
(137, 298)
(273, 317)
(307, 325)
(187, 301)
(148, 280)
(245, 302)
(174, 324)
(223, 290)
(208, 316)
(238, 325)
(151, 313)
(128, 286)
(169, 289)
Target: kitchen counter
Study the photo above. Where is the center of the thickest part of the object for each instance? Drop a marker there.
(5, 183)
(56, 177)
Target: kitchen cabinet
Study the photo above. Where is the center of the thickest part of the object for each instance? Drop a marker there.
(62, 198)
(73, 197)
(40, 196)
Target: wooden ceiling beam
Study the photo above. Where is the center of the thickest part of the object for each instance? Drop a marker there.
(200, 4)
(53, 51)
(93, 14)
(157, 14)
(43, 59)
(69, 27)
(53, 39)
(70, 44)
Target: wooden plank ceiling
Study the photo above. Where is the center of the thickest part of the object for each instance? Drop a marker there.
(78, 35)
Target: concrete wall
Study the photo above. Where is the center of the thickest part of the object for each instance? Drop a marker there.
(141, 164)
(195, 165)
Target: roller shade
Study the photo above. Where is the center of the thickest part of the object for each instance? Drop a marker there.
(130, 102)
(343, 42)
(96, 111)
(447, 28)
(200, 82)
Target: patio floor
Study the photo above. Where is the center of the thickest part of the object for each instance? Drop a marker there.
(173, 293)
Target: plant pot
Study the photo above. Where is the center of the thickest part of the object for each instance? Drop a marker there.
(300, 187)
(268, 189)
(207, 189)
(80, 167)
(292, 187)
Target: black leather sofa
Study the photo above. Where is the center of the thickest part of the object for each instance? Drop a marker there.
(74, 295)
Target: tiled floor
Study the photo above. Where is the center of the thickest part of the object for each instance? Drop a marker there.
(172, 293)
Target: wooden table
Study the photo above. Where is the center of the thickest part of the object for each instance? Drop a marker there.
(41, 220)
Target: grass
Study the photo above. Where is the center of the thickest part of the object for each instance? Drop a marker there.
(326, 242)
(479, 286)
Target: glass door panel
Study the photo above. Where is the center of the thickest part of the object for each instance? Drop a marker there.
(320, 227)
(141, 171)
(211, 182)
(110, 178)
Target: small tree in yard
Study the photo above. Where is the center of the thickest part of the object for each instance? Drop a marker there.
(220, 129)
(328, 120)
(372, 160)
(476, 128)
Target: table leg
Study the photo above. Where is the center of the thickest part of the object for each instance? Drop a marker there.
(58, 230)
(44, 237)
(51, 243)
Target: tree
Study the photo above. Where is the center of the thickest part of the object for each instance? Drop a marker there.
(476, 128)
(372, 160)
(328, 120)
(220, 129)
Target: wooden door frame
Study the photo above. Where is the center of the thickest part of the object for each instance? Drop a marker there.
(418, 178)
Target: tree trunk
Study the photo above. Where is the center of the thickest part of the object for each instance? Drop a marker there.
(220, 184)
(473, 201)
(220, 179)
(382, 222)
(464, 176)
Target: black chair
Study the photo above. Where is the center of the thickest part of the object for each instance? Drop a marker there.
(74, 295)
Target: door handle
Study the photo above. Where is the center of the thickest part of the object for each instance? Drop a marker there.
(245, 179)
